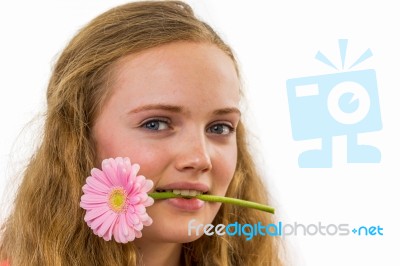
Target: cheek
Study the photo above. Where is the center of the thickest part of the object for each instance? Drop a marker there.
(151, 158)
(225, 167)
(152, 162)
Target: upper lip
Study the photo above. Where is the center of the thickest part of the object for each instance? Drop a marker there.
(185, 185)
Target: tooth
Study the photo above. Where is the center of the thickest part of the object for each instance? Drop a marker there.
(185, 192)
(177, 191)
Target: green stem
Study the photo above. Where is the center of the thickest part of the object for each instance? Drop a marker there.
(213, 198)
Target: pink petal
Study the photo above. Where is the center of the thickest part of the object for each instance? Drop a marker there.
(104, 230)
(118, 160)
(140, 180)
(122, 173)
(124, 225)
(89, 190)
(94, 213)
(134, 170)
(137, 184)
(113, 163)
(132, 218)
(132, 177)
(121, 235)
(99, 175)
(134, 199)
(148, 184)
(143, 217)
(108, 235)
(148, 221)
(100, 220)
(131, 235)
(139, 209)
(142, 196)
(127, 164)
(97, 185)
(135, 188)
(148, 202)
(93, 198)
(138, 234)
(110, 171)
(116, 231)
(138, 226)
(91, 206)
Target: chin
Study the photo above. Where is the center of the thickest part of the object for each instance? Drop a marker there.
(169, 234)
(184, 238)
(173, 226)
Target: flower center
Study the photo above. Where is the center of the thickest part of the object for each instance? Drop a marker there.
(117, 199)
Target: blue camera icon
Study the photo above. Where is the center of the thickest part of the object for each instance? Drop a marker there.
(324, 106)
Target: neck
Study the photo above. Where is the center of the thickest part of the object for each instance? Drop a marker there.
(156, 253)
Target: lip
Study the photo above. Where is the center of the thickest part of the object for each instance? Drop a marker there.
(185, 185)
(186, 204)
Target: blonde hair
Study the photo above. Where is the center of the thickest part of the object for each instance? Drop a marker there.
(46, 226)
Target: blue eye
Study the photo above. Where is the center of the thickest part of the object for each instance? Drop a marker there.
(155, 124)
(220, 129)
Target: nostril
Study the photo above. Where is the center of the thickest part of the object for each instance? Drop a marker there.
(196, 162)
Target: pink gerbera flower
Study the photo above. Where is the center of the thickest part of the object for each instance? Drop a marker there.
(115, 200)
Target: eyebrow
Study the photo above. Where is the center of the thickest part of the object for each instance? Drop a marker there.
(225, 111)
(180, 109)
(166, 107)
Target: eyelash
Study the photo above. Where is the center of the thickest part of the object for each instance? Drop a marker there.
(155, 120)
(230, 128)
(167, 122)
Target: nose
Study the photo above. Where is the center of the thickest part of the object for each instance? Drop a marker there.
(194, 155)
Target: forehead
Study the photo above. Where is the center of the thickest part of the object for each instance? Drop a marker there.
(199, 69)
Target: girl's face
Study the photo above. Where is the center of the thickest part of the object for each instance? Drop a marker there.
(174, 110)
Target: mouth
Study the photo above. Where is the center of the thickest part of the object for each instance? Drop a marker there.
(183, 192)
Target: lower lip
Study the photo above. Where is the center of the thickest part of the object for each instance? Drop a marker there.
(186, 204)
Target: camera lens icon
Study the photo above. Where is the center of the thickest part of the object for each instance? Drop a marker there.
(338, 104)
(348, 103)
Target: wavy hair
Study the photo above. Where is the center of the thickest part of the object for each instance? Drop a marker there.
(46, 225)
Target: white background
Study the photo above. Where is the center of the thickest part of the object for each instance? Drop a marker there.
(275, 41)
